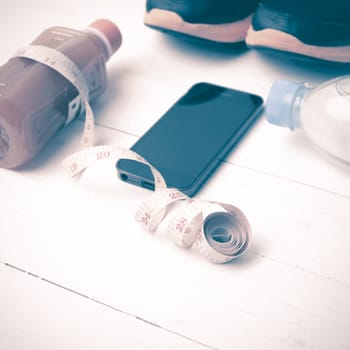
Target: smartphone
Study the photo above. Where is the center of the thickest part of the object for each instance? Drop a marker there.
(190, 140)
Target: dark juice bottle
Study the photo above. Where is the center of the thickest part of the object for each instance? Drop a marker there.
(36, 100)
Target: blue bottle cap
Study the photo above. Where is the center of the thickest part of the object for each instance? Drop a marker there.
(283, 103)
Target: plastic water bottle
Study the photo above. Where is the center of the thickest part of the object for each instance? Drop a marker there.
(36, 101)
(322, 112)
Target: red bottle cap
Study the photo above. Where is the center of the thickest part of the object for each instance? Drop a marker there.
(110, 31)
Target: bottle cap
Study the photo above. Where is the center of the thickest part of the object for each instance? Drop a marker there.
(283, 99)
(110, 31)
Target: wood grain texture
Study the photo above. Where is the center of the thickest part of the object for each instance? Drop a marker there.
(76, 271)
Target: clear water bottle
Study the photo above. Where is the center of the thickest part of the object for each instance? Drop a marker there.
(323, 113)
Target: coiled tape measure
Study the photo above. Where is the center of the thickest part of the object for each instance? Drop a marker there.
(219, 231)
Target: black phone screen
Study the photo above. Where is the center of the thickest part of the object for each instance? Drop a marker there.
(191, 138)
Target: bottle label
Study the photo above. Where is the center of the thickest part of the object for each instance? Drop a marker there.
(75, 108)
(68, 69)
(2, 87)
(4, 142)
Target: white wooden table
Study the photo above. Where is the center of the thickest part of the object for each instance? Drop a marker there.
(76, 270)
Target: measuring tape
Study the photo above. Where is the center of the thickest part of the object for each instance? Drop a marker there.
(218, 231)
(63, 65)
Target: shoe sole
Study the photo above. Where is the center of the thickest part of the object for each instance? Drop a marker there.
(277, 40)
(226, 33)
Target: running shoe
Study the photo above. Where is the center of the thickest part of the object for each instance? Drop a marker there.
(218, 21)
(318, 29)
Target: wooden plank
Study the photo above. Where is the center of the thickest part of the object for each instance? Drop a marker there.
(36, 314)
(293, 284)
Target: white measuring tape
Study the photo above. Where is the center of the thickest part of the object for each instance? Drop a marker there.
(62, 64)
(219, 231)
